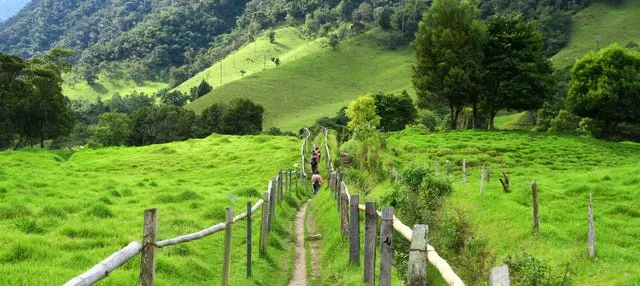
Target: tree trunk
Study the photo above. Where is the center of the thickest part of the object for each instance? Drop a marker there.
(475, 115)
(453, 124)
(457, 113)
(19, 142)
(492, 116)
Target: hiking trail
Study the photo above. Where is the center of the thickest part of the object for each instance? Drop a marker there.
(300, 263)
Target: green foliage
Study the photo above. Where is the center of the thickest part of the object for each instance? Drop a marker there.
(334, 41)
(605, 86)
(429, 119)
(272, 36)
(565, 122)
(395, 111)
(112, 130)
(209, 121)
(363, 181)
(242, 117)
(362, 111)
(160, 124)
(366, 146)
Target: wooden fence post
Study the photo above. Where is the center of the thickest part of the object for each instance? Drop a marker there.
(417, 273)
(226, 259)
(354, 231)
(482, 180)
(272, 204)
(488, 175)
(249, 238)
(386, 246)
(289, 181)
(280, 186)
(370, 235)
(448, 168)
(464, 173)
(534, 192)
(297, 181)
(344, 211)
(592, 229)
(436, 164)
(499, 276)
(264, 224)
(149, 235)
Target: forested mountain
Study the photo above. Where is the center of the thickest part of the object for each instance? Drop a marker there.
(9, 8)
(171, 40)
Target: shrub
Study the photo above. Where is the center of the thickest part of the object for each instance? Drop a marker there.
(565, 122)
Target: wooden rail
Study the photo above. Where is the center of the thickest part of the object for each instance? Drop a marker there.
(106, 266)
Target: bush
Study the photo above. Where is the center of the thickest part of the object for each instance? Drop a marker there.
(565, 122)
(364, 182)
(429, 119)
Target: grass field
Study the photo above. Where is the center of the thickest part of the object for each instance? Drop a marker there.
(567, 169)
(319, 84)
(600, 21)
(63, 212)
(105, 88)
(514, 121)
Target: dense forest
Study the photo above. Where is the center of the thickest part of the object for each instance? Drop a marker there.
(173, 40)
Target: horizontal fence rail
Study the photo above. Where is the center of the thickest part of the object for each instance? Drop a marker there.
(102, 269)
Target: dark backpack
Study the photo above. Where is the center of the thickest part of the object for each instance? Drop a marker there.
(314, 161)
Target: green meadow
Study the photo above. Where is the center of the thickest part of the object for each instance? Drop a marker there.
(105, 88)
(567, 169)
(62, 212)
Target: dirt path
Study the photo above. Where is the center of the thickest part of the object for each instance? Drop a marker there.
(300, 264)
(314, 245)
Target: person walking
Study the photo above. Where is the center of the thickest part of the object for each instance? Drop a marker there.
(316, 180)
(314, 163)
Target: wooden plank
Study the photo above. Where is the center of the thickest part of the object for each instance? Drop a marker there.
(592, 230)
(354, 231)
(148, 256)
(226, 259)
(249, 238)
(370, 235)
(386, 246)
(264, 224)
(417, 273)
(499, 276)
(534, 193)
(106, 266)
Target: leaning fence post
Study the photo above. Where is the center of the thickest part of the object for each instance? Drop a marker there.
(464, 173)
(370, 235)
(482, 180)
(592, 230)
(354, 231)
(149, 235)
(264, 224)
(249, 238)
(534, 192)
(448, 168)
(417, 274)
(499, 276)
(226, 259)
(386, 246)
(272, 204)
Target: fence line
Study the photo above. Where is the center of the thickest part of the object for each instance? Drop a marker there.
(273, 195)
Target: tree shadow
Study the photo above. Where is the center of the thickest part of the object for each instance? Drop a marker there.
(99, 88)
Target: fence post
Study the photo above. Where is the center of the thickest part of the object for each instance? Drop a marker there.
(448, 168)
(344, 212)
(482, 181)
(249, 238)
(488, 175)
(264, 224)
(386, 246)
(226, 260)
(436, 164)
(280, 186)
(272, 204)
(592, 229)
(534, 192)
(370, 234)
(417, 274)
(354, 231)
(149, 235)
(297, 179)
(289, 180)
(499, 276)
(464, 173)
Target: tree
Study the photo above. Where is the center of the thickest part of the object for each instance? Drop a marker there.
(517, 76)
(362, 111)
(272, 36)
(449, 46)
(209, 121)
(198, 91)
(242, 117)
(112, 129)
(605, 85)
(175, 97)
(395, 111)
(11, 89)
(382, 15)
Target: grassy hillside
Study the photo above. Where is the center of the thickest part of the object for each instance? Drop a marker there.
(319, 84)
(515, 121)
(63, 212)
(604, 22)
(105, 88)
(567, 169)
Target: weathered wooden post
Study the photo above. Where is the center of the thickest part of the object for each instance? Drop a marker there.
(297, 181)
(482, 180)
(226, 260)
(534, 192)
(500, 276)
(272, 204)
(464, 173)
(344, 211)
(488, 175)
(417, 274)
(289, 181)
(448, 168)
(354, 231)
(149, 235)
(436, 164)
(592, 230)
(264, 224)
(280, 186)
(386, 246)
(370, 235)
(249, 239)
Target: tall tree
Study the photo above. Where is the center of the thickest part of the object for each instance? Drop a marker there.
(242, 117)
(395, 111)
(449, 47)
(605, 85)
(517, 76)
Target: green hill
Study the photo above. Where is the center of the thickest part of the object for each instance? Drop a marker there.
(599, 25)
(320, 83)
(567, 169)
(105, 88)
(62, 212)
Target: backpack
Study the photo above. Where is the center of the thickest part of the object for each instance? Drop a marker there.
(314, 161)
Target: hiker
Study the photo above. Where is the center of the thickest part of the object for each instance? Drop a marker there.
(317, 151)
(314, 163)
(316, 180)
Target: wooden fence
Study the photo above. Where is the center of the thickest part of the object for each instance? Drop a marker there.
(277, 187)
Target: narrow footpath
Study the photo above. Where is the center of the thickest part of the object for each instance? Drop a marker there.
(300, 263)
